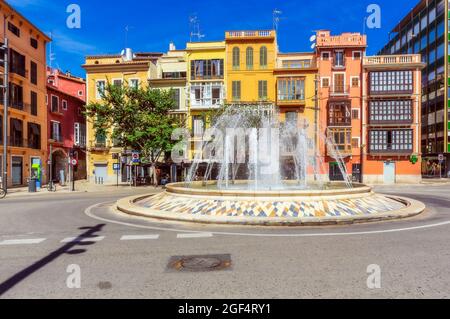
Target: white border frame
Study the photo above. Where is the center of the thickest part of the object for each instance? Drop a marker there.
(351, 82)
(62, 105)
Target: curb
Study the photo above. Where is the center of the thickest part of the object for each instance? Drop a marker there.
(413, 208)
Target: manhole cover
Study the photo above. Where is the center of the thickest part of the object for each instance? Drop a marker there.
(199, 263)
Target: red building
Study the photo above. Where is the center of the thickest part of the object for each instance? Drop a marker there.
(66, 100)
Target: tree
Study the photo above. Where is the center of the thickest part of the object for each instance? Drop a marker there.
(135, 118)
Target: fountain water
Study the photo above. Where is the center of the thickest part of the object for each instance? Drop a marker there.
(255, 139)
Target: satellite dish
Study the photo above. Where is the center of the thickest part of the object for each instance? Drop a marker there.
(313, 46)
(313, 38)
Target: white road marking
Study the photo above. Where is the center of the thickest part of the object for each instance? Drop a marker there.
(426, 226)
(82, 239)
(194, 235)
(21, 241)
(139, 237)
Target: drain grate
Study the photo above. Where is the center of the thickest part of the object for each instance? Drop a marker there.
(199, 263)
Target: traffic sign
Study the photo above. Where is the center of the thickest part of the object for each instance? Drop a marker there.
(116, 166)
(441, 157)
(135, 157)
(74, 162)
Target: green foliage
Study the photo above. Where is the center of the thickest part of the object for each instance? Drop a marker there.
(135, 119)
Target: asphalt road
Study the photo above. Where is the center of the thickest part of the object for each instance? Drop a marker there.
(46, 241)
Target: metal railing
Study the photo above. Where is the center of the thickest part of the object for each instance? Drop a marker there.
(392, 59)
(250, 34)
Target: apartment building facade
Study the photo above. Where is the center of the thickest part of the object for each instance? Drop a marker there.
(206, 87)
(391, 114)
(66, 99)
(424, 30)
(27, 116)
(339, 63)
(172, 72)
(251, 60)
(126, 69)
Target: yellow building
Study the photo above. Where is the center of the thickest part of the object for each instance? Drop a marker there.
(206, 83)
(296, 89)
(27, 116)
(251, 60)
(131, 69)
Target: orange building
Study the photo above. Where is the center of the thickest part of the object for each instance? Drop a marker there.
(339, 62)
(27, 115)
(391, 119)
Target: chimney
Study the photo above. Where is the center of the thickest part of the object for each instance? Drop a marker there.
(127, 55)
(172, 46)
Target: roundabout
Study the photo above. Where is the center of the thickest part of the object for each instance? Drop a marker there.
(333, 204)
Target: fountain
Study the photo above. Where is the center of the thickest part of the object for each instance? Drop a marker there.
(261, 171)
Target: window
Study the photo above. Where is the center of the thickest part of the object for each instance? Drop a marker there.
(386, 141)
(325, 82)
(236, 90)
(296, 64)
(391, 111)
(355, 81)
(34, 136)
(34, 103)
(339, 59)
(339, 114)
(16, 96)
(291, 89)
(176, 98)
(206, 94)
(262, 90)
(34, 43)
(325, 56)
(117, 82)
(55, 132)
(14, 30)
(339, 83)
(64, 105)
(249, 60)
(341, 138)
(355, 142)
(134, 83)
(33, 77)
(101, 85)
(236, 58)
(16, 132)
(207, 69)
(357, 55)
(198, 125)
(17, 65)
(55, 104)
(174, 75)
(80, 93)
(263, 57)
(355, 114)
(79, 134)
(391, 81)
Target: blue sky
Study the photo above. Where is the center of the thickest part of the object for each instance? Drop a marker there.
(153, 24)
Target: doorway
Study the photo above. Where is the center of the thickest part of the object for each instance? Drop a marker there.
(389, 173)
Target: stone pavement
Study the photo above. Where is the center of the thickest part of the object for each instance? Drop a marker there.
(82, 186)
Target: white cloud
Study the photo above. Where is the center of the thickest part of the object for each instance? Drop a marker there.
(64, 42)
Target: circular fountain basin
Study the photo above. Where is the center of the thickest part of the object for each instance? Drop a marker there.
(333, 203)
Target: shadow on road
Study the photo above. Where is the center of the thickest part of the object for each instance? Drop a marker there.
(66, 249)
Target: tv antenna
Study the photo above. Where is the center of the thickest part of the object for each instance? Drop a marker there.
(51, 55)
(276, 18)
(194, 24)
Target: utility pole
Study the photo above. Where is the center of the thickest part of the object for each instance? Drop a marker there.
(5, 88)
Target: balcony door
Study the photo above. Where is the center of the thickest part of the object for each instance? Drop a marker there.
(339, 83)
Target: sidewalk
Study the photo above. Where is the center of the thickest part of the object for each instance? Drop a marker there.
(80, 187)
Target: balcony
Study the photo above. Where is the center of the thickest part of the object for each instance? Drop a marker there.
(56, 139)
(99, 146)
(390, 149)
(206, 103)
(256, 34)
(340, 90)
(396, 60)
(291, 100)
